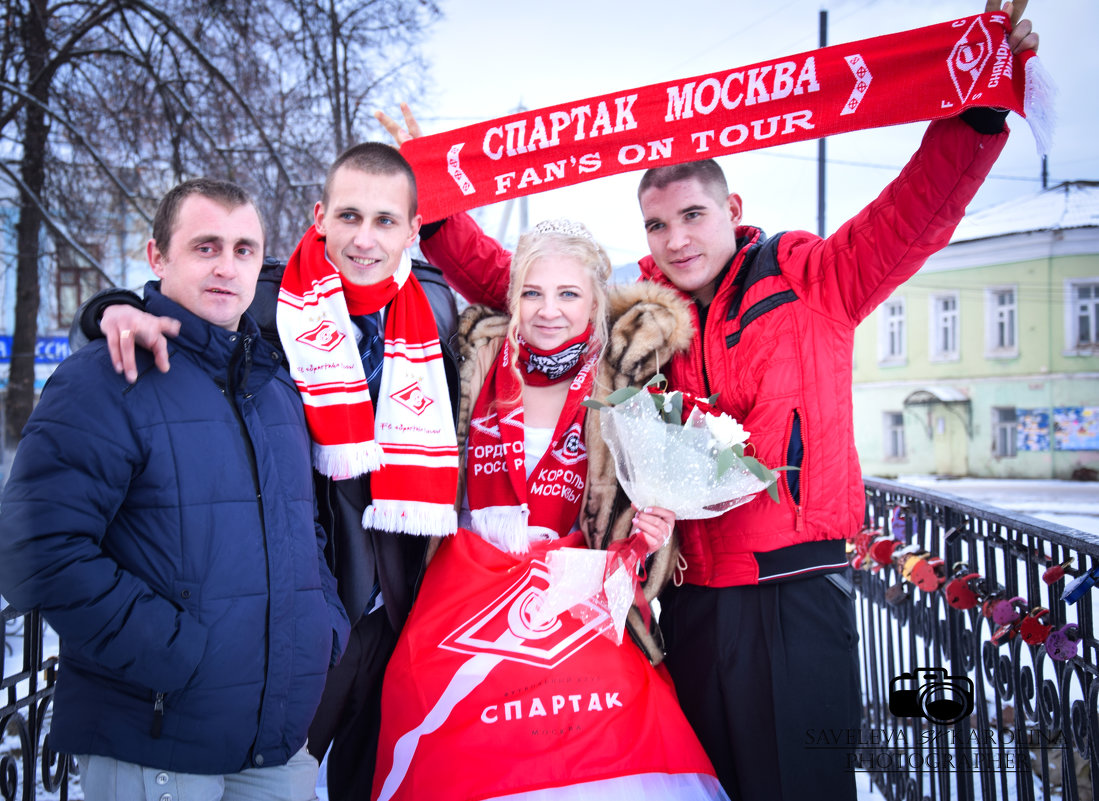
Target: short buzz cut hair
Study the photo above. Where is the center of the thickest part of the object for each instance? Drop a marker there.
(373, 158)
(707, 172)
(226, 193)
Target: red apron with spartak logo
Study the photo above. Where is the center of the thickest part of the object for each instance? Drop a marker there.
(479, 701)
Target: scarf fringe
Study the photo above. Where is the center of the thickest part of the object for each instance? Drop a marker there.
(344, 461)
(1038, 104)
(503, 526)
(411, 517)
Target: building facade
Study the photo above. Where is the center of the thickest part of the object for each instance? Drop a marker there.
(986, 363)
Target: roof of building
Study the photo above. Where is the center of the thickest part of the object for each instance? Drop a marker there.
(1073, 204)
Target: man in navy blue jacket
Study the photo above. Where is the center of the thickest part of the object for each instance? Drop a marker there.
(167, 530)
(368, 215)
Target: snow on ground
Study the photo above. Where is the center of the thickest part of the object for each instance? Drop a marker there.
(1069, 503)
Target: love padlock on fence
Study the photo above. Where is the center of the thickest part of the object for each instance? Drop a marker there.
(909, 564)
(1076, 588)
(1004, 633)
(898, 594)
(899, 556)
(1034, 629)
(989, 598)
(1062, 645)
(960, 591)
(896, 523)
(928, 574)
(881, 550)
(1008, 610)
(1054, 574)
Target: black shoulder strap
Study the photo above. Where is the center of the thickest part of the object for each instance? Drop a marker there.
(760, 262)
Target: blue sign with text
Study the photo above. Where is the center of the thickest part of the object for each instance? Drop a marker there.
(48, 350)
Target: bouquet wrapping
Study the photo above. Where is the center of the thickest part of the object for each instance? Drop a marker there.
(693, 464)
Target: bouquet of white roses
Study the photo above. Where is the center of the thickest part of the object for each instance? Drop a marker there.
(693, 464)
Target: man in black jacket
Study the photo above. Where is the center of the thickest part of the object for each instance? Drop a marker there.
(368, 218)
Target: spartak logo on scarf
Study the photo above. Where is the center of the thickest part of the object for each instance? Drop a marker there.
(924, 74)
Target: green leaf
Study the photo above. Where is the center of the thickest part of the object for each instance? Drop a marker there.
(725, 460)
(621, 395)
(713, 398)
(592, 403)
(756, 468)
(673, 409)
(656, 380)
(772, 490)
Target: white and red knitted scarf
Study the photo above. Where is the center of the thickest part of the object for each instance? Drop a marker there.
(408, 445)
(924, 74)
(506, 508)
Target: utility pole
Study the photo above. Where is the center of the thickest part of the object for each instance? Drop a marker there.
(820, 142)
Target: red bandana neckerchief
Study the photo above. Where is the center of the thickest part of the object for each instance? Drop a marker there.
(544, 367)
(923, 74)
(409, 445)
(506, 508)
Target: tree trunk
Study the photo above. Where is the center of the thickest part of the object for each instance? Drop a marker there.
(20, 394)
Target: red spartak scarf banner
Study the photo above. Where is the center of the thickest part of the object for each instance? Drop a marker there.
(923, 74)
(408, 444)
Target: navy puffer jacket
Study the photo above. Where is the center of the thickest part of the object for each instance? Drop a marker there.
(167, 531)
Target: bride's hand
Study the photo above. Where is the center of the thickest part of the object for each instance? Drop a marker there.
(655, 525)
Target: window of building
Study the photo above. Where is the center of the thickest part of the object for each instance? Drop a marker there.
(891, 333)
(944, 327)
(76, 282)
(1002, 333)
(894, 435)
(1082, 317)
(1003, 432)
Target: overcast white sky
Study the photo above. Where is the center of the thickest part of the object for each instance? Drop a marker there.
(489, 56)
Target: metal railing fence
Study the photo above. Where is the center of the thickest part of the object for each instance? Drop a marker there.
(958, 704)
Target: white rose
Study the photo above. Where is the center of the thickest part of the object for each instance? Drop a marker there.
(727, 431)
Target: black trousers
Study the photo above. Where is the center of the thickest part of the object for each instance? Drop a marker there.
(768, 676)
(349, 716)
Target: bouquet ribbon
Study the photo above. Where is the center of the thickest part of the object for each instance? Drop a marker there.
(923, 74)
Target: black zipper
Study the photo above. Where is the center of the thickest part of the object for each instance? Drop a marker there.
(158, 717)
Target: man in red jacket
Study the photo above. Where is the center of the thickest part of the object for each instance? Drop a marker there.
(761, 636)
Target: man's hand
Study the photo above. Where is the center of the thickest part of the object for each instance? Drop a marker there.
(123, 326)
(400, 135)
(1022, 36)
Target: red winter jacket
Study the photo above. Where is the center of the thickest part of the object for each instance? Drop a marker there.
(778, 348)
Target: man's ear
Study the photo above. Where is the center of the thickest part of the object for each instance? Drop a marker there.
(155, 257)
(736, 208)
(318, 218)
(417, 221)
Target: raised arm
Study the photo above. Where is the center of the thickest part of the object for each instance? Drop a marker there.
(850, 273)
(474, 263)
